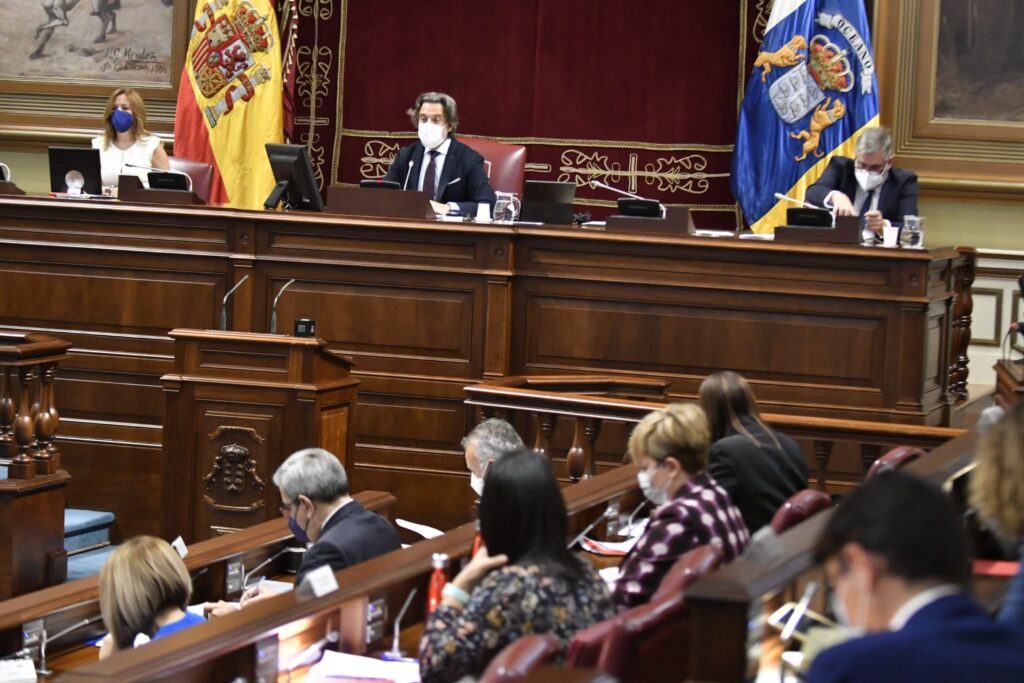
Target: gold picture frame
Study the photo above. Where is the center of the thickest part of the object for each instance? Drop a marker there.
(59, 95)
(951, 155)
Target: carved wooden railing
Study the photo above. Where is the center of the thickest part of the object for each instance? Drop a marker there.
(590, 402)
(28, 364)
(960, 336)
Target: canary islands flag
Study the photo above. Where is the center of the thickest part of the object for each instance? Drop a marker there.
(812, 91)
(230, 98)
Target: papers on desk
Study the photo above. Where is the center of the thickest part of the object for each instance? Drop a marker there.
(608, 548)
(423, 530)
(609, 575)
(756, 236)
(17, 670)
(714, 233)
(338, 666)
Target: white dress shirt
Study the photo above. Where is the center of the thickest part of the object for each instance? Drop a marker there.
(920, 601)
(858, 204)
(113, 159)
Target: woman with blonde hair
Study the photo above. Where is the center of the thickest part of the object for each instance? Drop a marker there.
(758, 467)
(126, 143)
(671, 448)
(997, 492)
(144, 589)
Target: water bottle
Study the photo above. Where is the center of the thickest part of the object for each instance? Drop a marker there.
(912, 234)
(438, 579)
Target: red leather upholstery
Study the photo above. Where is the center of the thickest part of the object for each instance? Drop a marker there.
(800, 506)
(585, 647)
(688, 568)
(505, 164)
(896, 458)
(521, 656)
(200, 172)
(649, 643)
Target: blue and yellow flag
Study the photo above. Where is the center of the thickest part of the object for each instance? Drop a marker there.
(812, 91)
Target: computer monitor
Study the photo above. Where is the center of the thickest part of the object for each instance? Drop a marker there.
(546, 201)
(75, 170)
(296, 184)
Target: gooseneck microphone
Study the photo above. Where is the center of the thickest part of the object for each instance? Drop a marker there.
(597, 184)
(273, 311)
(163, 170)
(224, 303)
(800, 202)
(405, 185)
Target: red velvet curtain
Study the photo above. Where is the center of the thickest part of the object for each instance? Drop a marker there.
(642, 95)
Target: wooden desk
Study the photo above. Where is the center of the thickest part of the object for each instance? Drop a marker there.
(425, 308)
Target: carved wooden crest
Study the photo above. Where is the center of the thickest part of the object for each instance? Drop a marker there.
(233, 471)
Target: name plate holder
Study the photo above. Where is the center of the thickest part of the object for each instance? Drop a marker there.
(131, 189)
(677, 221)
(845, 231)
(379, 203)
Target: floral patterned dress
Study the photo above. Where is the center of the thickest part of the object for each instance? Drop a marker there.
(510, 602)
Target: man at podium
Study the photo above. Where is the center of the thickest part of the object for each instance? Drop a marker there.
(454, 175)
(867, 186)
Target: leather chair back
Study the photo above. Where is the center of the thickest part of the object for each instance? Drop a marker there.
(200, 172)
(505, 164)
(649, 643)
(894, 459)
(800, 506)
(522, 656)
(693, 565)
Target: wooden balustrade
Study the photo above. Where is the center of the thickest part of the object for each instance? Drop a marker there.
(964, 267)
(28, 364)
(588, 403)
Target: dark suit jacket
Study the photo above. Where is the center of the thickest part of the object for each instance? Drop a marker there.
(949, 640)
(352, 535)
(758, 476)
(899, 191)
(463, 178)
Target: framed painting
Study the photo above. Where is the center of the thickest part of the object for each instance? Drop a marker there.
(62, 58)
(952, 88)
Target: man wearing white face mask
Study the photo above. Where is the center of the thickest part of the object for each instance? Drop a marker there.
(897, 558)
(868, 186)
(483, 446)
(451, 173)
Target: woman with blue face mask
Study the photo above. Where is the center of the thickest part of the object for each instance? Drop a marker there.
(126, 144)
(670, 447)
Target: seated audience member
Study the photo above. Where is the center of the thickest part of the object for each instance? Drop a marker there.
(454, 175)
(867, 186)
(126, 140)
(522, 581)
(997, 491)
(896, 555)
(336, 528)
(759, 469)
(144, 589)
(671, 448)
(483, 446)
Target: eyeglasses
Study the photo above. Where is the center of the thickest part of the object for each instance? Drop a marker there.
(873, 168)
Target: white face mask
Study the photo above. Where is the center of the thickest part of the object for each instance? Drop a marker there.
(656, 496)
(869, 180)
(843, 617)
(432, 134)
(477, 483)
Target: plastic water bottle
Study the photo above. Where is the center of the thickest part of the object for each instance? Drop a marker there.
(438, 579)
(912, 234)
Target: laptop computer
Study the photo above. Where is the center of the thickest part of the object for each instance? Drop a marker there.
(75, 168)
(546, 201)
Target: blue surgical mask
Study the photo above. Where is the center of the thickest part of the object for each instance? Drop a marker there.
(122, 120)
(298, 532)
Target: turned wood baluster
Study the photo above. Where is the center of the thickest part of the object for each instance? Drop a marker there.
(6, 415)
(960, 328)
(46, 418)
(545, 428)
(869, 453)
(822, 453)
(22, 466)
(580, 457)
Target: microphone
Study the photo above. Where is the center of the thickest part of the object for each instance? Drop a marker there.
(161, 170)
(597, 184)
(273, 312)
(629, 520)
(395, 652)
(798, 612)
(806, 205)
(224, 303)
(406, 183)
(248, 575)
(46, 638)
(608, 512)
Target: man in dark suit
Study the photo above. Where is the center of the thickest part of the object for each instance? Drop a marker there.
(867, 186)
(898, 560)
(454, 177)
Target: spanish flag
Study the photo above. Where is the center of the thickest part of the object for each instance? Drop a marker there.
(230, 98)
(812, 91)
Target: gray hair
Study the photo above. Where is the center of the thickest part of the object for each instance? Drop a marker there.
(447, 102)
(314, 473)
(493, 438)
(875, 140)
